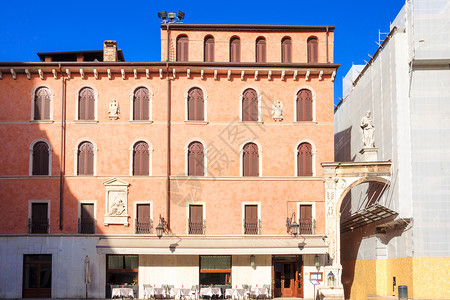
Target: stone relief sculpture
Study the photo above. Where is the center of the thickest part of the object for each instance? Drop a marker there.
(277, 111)
(117, 208)
(367, 131)
(113, 109)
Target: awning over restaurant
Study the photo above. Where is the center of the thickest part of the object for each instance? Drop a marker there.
(204, 245)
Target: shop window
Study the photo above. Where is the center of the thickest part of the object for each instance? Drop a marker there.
(215, 270)
(121, 269)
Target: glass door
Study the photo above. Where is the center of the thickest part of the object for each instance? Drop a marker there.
(37, 276)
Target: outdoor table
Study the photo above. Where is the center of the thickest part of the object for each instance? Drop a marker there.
(259, 291)
(235, 293)
(180, 292)
(122, 292)
(210, 291)
(153, 292)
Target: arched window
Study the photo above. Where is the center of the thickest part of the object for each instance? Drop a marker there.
(250, 160)
(208, 48)
(286, 50)
(40, 159)
(182, 48)
(42, 103)
(304, 160)
(141, 102)
(249, 105)
(196, 103)
(141, 158)
(235, 50)
(304, 105)
(313, 50)
(261, 50)
(85, 159)
(86, 104)
(196, 159)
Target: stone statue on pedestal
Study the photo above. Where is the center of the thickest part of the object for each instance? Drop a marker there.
(367, 131)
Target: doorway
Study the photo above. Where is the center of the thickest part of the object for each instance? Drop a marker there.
(37, 276)
(288, 276)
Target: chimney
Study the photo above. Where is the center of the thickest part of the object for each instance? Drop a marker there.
(110, 51)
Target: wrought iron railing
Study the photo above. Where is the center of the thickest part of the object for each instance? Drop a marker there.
(144, 226)
(38, 225)
(252, 226)
(87, 225)
(197, 226)
(307, 226)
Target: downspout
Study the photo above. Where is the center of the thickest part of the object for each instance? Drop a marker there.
(63, 141)
(327, 45)
(168, 128)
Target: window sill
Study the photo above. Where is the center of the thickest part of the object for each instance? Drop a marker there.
(196, 122)
(86, 121)
(305, 122)
(251, 122)
(141, 121)
(42, 121)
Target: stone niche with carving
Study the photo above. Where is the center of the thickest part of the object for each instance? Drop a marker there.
(116, 202)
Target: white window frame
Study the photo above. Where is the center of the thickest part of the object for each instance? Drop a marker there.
(75, 152)
(313, 159)
(150, 152)
(77, 93)
(30, 203)
(205, 103)
(186, 156)
(33, 98)
(241, 157)
(241, 98)
(188, 204)
(50, 152)
(314, 97)
(150, 102)
(243, 214)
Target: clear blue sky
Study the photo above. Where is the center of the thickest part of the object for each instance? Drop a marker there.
(46, 26)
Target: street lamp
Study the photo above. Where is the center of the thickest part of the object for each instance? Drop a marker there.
(171, 17)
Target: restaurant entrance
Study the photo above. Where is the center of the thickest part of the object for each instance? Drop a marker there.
(287, 276)
(37, 276)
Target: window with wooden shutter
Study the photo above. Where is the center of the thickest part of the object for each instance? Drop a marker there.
(306, 220)
(208, 49)
(39, 222)
(196, 159)
(304, 160)
(141, 157)
(42, 103)
(304, 105)
(249, 105)
(196, 219)
(261, 50)
(286, 50)
(313, 50)
(40, 159)
(251, 225)
(235, 50)
(86, 224)
(250, 160)
(86, 104)
(196, 104)
(143, 221)
(182, 48)
(86, 159)
(141, 102)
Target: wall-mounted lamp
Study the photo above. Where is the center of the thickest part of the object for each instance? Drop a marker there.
(252, 261)
(162, 227)
(292, 227)
(331, 279)
(317, 262)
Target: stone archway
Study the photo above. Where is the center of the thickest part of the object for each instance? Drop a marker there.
(339, 179)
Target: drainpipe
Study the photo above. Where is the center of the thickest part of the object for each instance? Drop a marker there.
(63, 146)
(168, 128)
(327, 45)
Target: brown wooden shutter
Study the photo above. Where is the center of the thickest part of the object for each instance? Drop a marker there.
(305, 219)
(141, 104)
(141, 157)
(182, 48)
(209, 49)
(235, 50)
(196, 213)
(40, 159)
(143, 213)
(304, 105)
(261, 50)
(313, 50)
(251, 219)
(86, 104)
(286, 50)
(250, 105)
(250, 160)
(87, 210)
(86, 159)
(304, 160)
(196, 104)
(196, 159)
(39, 211)
(42, 104)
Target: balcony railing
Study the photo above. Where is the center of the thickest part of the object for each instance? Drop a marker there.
(197, 226)
(38, 225)
(252, 226)
(307, 226)
(144, 226)
(87, 225)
